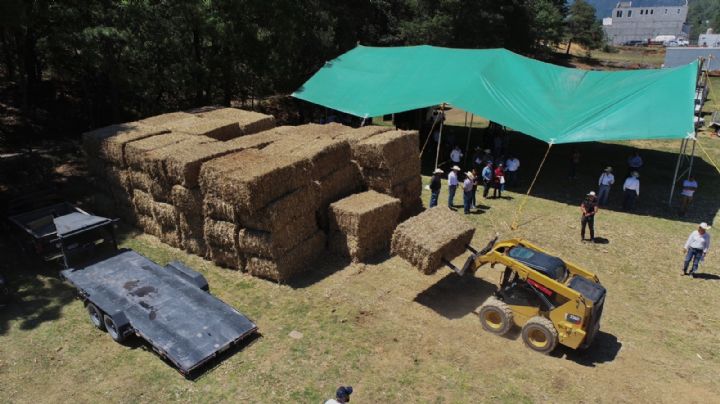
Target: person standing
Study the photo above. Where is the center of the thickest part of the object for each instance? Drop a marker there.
(574, 163)
(498, 181)
(631, 190)
(476, 181)
(607, 179)
(456, 155)
(435, 185)
(452, 185)
(467, 191)
(635, 162)
(696, 248)
(477, 158)
(589, 208)
(487, 178)
(689, 187)
(487, 156)
(511, 168)
(342, 395)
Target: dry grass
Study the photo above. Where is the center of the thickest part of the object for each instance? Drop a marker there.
(248, 122)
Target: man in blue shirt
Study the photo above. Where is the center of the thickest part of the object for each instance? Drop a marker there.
(487, 179)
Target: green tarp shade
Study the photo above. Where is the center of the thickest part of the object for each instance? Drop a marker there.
(552, 103)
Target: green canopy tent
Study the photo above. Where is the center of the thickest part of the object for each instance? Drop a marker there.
(551, 103)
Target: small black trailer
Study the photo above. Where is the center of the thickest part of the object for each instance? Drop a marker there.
(125, 293)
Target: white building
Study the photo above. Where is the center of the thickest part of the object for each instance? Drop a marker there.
(644, 20)
(709, 39)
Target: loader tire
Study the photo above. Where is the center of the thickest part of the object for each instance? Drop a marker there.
(496, 316)
(540, 335)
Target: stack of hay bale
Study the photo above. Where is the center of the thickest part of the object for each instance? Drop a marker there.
(435, 235)
(361, 225)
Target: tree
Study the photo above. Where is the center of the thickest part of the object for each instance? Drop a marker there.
(582, 26)
(546, 22)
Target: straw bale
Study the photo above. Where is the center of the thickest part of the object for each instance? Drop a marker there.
(276, 244)
(260, 178)
(411, 188)
(165, 215)
(297, 260)
(194, 245)
(189, 201)
(226, 258)
(437, 233)
(183, 166)
(248, 122)
(148, 225)
(326, 155)
(154, 160)
(171, 237)
(93, 141)
(219, 129)
(365, 215)
(341, 183)
(192, 233)
(142, 181)
(217, 209)
(355, 248)
(282, 211)
(163, 120)
(384, 180)
(410, 208)
(136, 151)
(112, 149)
(118, 179)
(354, 136)
(221, 234)
(386, 149)
(143, 203)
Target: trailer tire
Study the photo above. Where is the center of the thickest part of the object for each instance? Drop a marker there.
(540, 335)
(96, 317)
(496, 316)
(112, 329)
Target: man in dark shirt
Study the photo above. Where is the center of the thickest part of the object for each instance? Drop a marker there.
(589, 208)
(435, 187)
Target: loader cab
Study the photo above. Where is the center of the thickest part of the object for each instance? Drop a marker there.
(552, 267)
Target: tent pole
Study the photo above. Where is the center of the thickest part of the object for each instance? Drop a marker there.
(692, 157)
(681, 154)
(465, 118)
(442, 121)
(467, 146)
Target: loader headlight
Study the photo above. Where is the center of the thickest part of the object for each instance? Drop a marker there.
(572, 318)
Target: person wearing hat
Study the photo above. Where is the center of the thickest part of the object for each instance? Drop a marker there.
(435, 185)
(452, 185)
(456, 155)
(498, 181)
(689, 186)
(487, 178)
(696, 248)
(342, 395)
(589, 208)
(607, 179)
(468, 185)
(631, 190)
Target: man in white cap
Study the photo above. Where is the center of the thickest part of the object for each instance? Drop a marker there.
(468, 191)
(435, 185)
(589, 208)
(631, 190)
(696, 248)
(607, 179)
(452, 185)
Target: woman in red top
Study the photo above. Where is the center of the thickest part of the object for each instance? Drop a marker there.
(499, 181)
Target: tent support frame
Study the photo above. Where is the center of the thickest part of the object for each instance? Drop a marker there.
(683, 158)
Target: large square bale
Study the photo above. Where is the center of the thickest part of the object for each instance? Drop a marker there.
(162, 121)
(248, 122)
(159, 190)
(278, 243)
(326, 155)
(192, 233)
(221, 234)
(218, 129)
(339, 184)
(281, 212)
(155, 160)
(108, 143)
(143, 203)
(135, 152)
(428, 238)
(217, 209)
(187, 201)
(165, 215)
(355, 248)
(297, 260)
(410, 188)
(385, 179)
(148, 225)
(354, 136)
(386, 149)
(227, 258)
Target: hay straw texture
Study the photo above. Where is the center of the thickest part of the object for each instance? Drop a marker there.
(192, 233)
(154, 160)
(226, 258)
(136, 151)
(385, 179)
(279, 242)
(143, 203)
(362, 224)
(219, 129)
(386, 149)
(188, 201)
(339, 184)
(165, 215)
(295, 261)
(108, 143)
(221, 234)
(158, 190)
(248, 122)
(411, 188)
(427, 238)
(282, 211)
(326, 155)
(354, 136)
(217, 209)
(161, 121)
(148, 225)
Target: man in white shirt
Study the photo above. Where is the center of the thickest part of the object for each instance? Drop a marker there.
(689, 187)
(631, 190)
(511, 167)
(456, 155)
(342, 395)
(452, 185)
(696, 248)
(607, 179)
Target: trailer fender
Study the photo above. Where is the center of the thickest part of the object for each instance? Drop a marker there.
(121, 323)
(189, 274)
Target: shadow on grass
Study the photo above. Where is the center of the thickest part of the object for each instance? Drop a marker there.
(604, 349)
(454, 297)
(707, 277)
(554, 184)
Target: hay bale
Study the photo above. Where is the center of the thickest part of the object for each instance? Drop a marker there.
(218, 129)
(248, 122)
(220, 234)
(343, 182)
(354, 136)
(226, 258)
(148, 225)
(113, 148)
(278, 243)
(297, 260)
(158, 190)
(427, 238)
(136, 151)
(143, 203)
(188, 201)
(118, 179)
(282, 211)
(326, 155)
(155, 160)
(161, 121)
(97, 143)
(171, 237)
(217, 209)
(192, 233)
(387, 149)
(410, 188)
(259, 178)
(362, 224)
(410, 208)
(385, 179)
(165, 215)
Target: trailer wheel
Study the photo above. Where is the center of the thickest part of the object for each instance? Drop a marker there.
(540, 335)
(96, 316)
(115, 334)
(496, 316)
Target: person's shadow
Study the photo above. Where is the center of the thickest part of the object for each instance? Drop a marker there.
(601, 240)
(707, 277)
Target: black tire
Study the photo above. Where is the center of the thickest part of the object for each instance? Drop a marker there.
(540, 335)
(112, 330)
(96, 316)
(496, 316)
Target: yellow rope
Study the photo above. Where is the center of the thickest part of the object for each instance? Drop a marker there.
(514, 225)
(697, 141)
